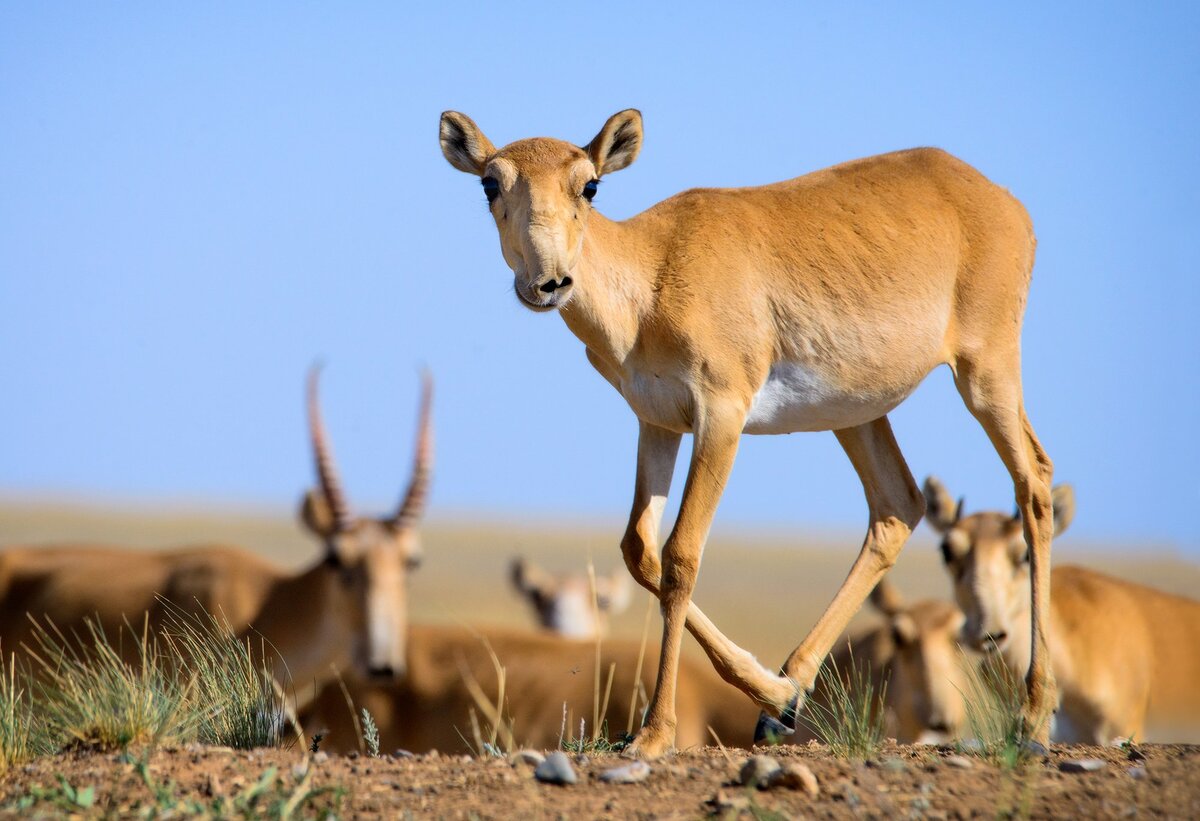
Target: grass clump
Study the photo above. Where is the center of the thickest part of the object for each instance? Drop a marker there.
(21, 738)
(850, 718)
(993, 700)
(89, 696)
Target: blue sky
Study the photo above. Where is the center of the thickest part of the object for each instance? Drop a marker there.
(196, 203)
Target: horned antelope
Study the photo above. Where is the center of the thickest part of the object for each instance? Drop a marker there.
(574, 606)
(347, 610)
(1127, 657)
(819, 303)
(546, 678)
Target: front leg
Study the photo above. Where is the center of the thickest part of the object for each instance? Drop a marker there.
(657, 452)
(715, 447)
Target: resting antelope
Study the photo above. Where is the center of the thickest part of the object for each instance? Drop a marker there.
(565, 605)
(1127, 657)
(430, 707)
(347, 610)
(819, 303)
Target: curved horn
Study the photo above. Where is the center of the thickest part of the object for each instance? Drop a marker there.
(418, 486)
(331, 486)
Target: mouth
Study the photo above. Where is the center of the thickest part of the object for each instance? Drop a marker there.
(553, 300)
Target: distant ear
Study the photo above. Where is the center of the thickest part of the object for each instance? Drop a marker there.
(886, 598)
(528, 578)
(317, 514)
(941, 511)
(904, 629)
(1063, 499)
(463, 144)
(618, 143)
(620, 590)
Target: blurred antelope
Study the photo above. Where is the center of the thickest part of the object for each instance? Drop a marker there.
(819, 303)
(545, 677)
(565, 605)
(1127, 657)
(348, 610)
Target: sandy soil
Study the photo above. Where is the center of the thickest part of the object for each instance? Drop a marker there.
(916, 782)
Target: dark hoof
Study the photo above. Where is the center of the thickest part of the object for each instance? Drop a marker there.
(772, 731)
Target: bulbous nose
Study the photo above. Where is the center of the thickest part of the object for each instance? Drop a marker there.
(552, 285)
(383, 671)
(997, 637)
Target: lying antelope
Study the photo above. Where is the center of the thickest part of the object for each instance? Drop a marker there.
(819, 303)
(574, 606)
(348, 610)
(546, 677)
(1127, 657)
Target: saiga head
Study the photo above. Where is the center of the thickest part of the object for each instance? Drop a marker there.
(540, 193)
(367, 560)
(564, 605)
(988, 562)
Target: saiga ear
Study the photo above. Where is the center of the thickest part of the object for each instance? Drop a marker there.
(620, 590)
(317, 515)
(618, 143)
(463, 144)
(941, 511)
(528, 578)
(1063, 501)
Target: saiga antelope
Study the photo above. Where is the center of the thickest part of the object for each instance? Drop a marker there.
(1127, 657)
(347, 610)
(565, 605)
(430, 707)
(819, 303)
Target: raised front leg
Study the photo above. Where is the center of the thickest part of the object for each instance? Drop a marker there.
(657, 452)
(895, 506)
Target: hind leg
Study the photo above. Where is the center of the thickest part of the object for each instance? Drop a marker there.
(992, 392)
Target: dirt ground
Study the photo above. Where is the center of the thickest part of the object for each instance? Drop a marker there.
(903, 782)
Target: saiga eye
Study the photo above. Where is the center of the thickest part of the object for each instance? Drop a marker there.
(491, 188)
(590, 188)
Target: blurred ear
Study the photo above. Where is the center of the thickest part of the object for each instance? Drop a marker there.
(463, 145)
(941, 511)
(528, 579)
(886, 598)
(618, 143)
(1063, 498)
(620, 591)
(904, 629)
(317, 514)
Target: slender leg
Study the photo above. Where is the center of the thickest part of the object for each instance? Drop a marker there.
(996, 402)
(657, 452)
(712, 457)
(895, 507)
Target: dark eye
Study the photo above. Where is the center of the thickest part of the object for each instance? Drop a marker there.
(589, 189)
(491, 188)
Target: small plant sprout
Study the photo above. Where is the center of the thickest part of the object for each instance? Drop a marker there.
(852, 720)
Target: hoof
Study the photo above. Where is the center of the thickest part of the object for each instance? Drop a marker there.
(772, 731)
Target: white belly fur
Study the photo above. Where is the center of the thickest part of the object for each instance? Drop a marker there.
(795, 398)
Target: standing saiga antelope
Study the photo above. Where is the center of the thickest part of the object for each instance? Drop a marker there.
(573, 606)
(819, 303)
(348, 610)
(1126, 656)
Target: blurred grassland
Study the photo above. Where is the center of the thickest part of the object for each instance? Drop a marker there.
(763, 588)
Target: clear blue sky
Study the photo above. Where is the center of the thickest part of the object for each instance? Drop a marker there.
(195, 203)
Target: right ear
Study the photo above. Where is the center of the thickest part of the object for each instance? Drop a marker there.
(463, 145)
(317, 514)
(527, 577)
(618, 143)
(941, 511)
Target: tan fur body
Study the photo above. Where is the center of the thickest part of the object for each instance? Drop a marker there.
(431, 706)
(818, 303)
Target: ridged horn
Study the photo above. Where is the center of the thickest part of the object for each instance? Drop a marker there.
(327, 475)
(418, 486)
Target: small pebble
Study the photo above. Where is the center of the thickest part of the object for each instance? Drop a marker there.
(402, 754)
(320, 757)
(530, 757)
(756, 770)
(556, 769)
(794, 776)
(1083, 765)
(960, 761)
(1036, 749)
(631, 773)
(1137, 772)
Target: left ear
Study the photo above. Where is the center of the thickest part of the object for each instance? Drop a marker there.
(463, 145)
(618, 143)
(1063, 500)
